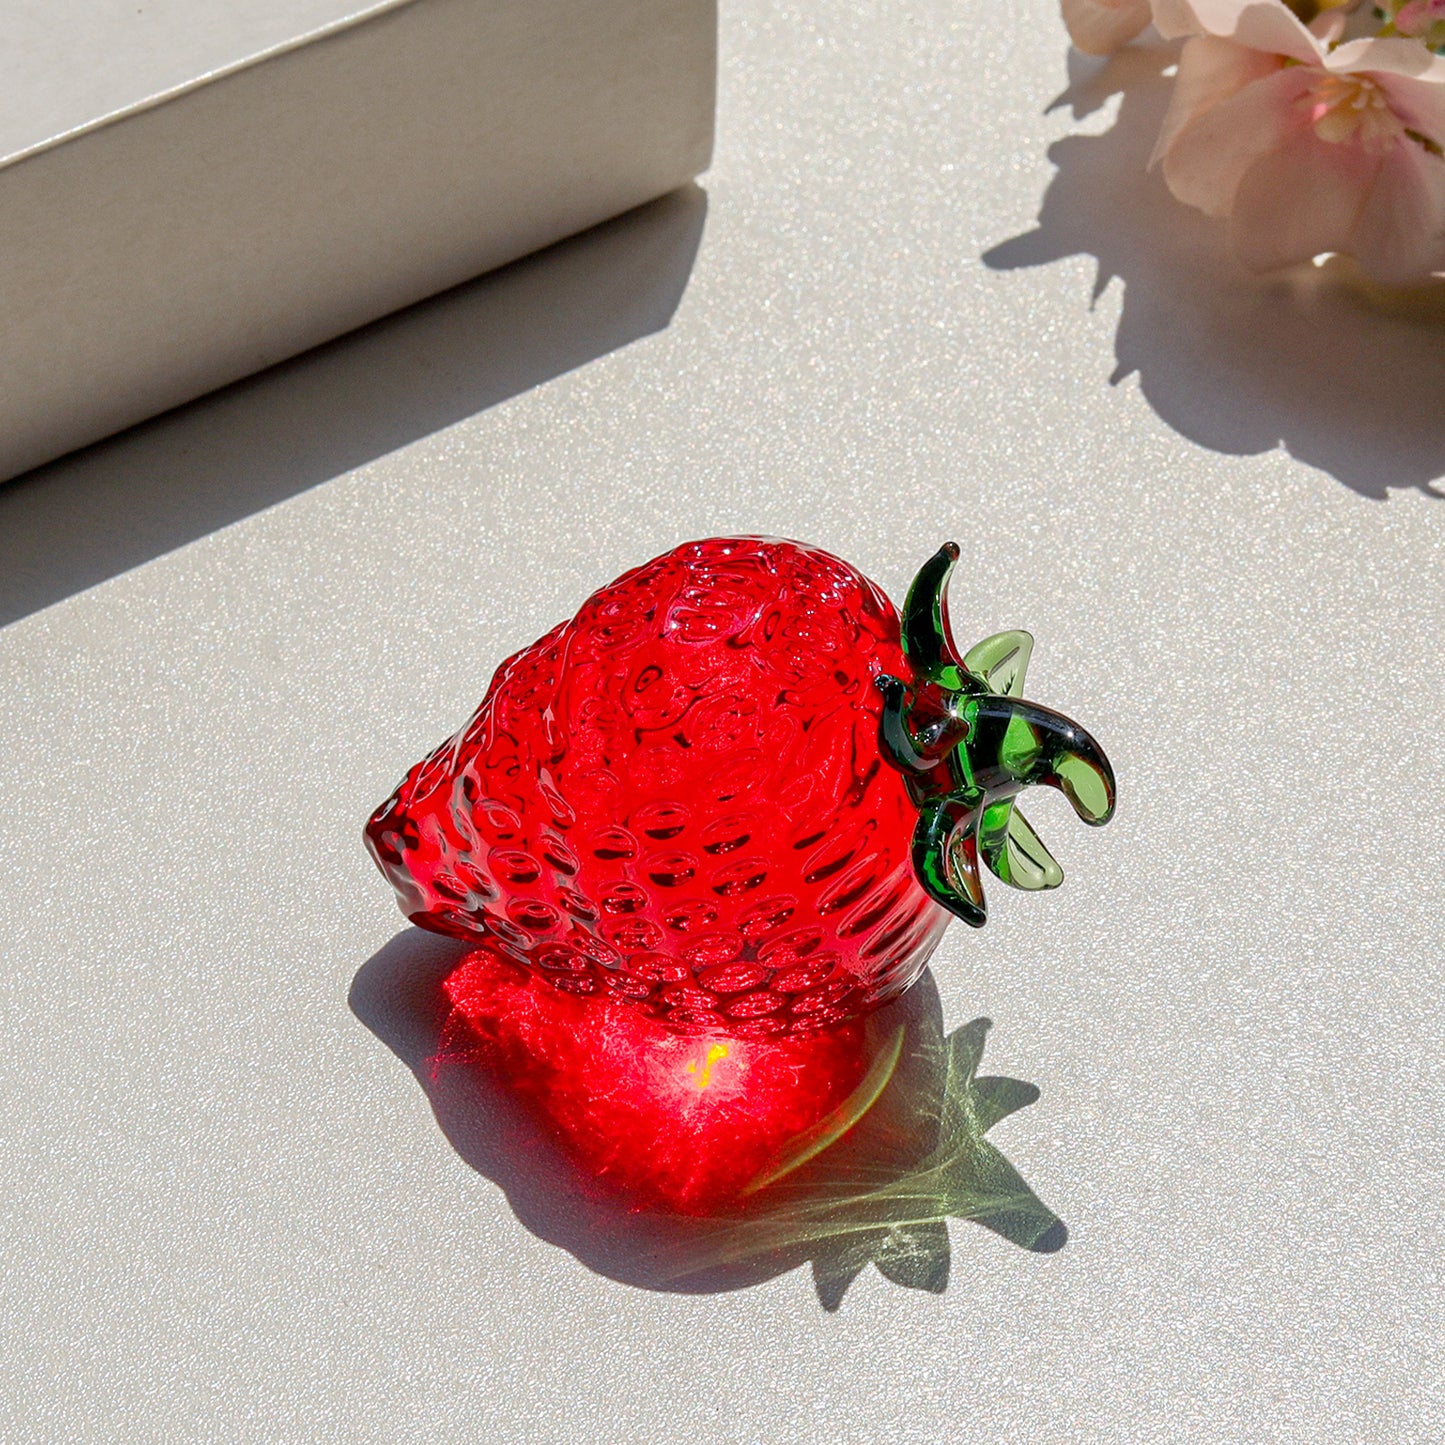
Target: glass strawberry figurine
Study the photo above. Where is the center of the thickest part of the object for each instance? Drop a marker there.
(737, 792)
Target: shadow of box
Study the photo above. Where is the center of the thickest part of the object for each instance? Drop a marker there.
(268, 438)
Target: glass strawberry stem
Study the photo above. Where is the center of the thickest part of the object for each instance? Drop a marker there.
(968, 744)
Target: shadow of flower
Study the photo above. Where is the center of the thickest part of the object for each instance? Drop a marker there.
(1237, 363)
(873, 1183)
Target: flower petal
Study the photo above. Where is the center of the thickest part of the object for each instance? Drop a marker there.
(1299, 200)
(1210, 154)
(1266, 25)
(1399, 237)
(1420, 104)
(1390, 55)
(1210, 71)
(1412, 78)
(1100, 27)
(1174, 18)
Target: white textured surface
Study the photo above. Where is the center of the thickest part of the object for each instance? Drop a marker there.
(229, 1212)
(66, 63)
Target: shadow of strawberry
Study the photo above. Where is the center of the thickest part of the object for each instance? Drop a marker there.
(882, 1194)
(874, 1183)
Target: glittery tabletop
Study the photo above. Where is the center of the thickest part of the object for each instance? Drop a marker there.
(914, 299)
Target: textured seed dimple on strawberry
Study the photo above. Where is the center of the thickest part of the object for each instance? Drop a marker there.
(735, 793)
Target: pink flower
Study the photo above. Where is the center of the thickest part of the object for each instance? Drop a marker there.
(1421, 20)
(1100, 27)
(1306, 149)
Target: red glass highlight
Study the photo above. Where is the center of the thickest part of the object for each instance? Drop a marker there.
(685, 1123)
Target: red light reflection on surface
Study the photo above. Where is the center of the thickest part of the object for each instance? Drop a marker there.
(681, 1122)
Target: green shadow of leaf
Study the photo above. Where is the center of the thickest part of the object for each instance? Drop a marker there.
(882, 1186)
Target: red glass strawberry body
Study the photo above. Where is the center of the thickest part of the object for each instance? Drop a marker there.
(679, 799)
(736, 793)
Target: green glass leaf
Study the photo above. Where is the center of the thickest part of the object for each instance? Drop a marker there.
(1021, 745)
(1007, 844)
(1018, 857)
(1087, 786)
(927, 636)
(999, 662)
(945, 858)
(968, 743)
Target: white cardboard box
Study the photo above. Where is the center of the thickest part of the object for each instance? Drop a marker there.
(193, 190)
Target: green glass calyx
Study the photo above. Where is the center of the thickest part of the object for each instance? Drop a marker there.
(968, 743)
